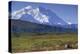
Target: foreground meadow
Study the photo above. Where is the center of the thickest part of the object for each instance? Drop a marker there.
(29, 42)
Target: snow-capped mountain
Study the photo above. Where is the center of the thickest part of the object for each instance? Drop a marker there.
(35, 13)
(38, 15)
(39, 19)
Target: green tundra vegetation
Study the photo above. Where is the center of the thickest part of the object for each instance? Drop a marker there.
(30, 42)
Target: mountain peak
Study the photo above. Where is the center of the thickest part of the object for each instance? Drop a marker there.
(37, 15)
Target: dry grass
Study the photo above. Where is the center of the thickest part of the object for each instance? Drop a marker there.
(46, 42)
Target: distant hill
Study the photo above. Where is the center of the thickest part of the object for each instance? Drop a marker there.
(25, 26)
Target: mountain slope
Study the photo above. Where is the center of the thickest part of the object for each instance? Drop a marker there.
(54, 19)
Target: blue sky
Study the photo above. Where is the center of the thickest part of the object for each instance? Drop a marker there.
(68, 13)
